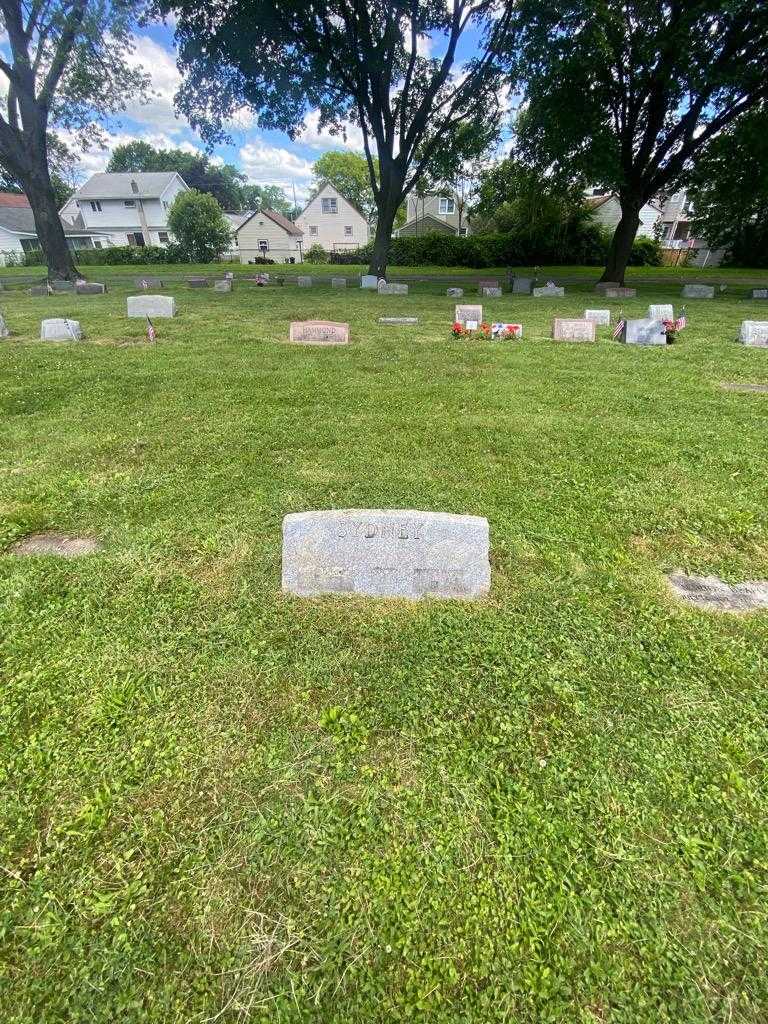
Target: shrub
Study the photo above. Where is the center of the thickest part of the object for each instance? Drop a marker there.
(316, 254)
(201, 230)
(646, 252)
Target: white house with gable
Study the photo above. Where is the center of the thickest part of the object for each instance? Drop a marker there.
(606, 210)
(332, 221)
(128, 208)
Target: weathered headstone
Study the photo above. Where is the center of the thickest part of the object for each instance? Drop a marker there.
(38, 290)
(548, 291)
(370, 281)
(664, 311)
(198, 282)
(60, 329)
(392, 288)
(4, 332)
(714, 594)
(573, 330)
(304, 281)
(338, 282)
(620, 292)
(644, 332)
(472, 314)
(151, 305)
(522, 285)
(63, 286)
(491, 293)
(148, 282)
(90, 288)
(698, 291)
(396, 321)
(222, 286)
(386, 553)
(455, 293)
(759, 293)
(603, 286)
(601, 317)
(487, 282)
(318, 332)
(754, 333)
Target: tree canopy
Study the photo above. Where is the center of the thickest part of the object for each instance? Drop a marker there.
(199, 226)
(225, 183)
(358, 61)
(627, 92)
(68, 65)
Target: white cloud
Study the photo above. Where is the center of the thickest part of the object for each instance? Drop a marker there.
(321, 138)
(93, 160)
(160, 64)
(265, 164)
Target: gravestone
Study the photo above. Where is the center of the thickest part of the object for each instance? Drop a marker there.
(549, 291)
(491, 293)
(223, 286)
(148, 282)
(318, 332)
(661, 312)
(386, 553)
(63, 286)
(601, 317)
(644, 332)
(4, 332)
(37, 290)
(369, 281)
(90, 288)
(754, 333)
(304, 281)
(391, 288)
(60, 329)
(338, 282)
(61, 545)
(714, 594)
(198, 282)
(151, 305)
(698, 291)
(471, 314)
(455, 293)
(487, 282)
(620, 293)
(573, 330)
(760, 293)
(522, 285)
(602, 286)
(395, 321)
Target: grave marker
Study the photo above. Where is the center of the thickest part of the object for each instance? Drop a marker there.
(754, 333)
(151, 305)
(600, 317)
(395, 321)
(318, 332)
(391, 288)
(38, 290)
(338, 282)
(148, 282)
(198, 282)
(644, 332)
(304, 281)
(4, 332)
(223, 286)
(549, 291)
(665, 311)
(60, 329)
(487, 282)
(386, 553)
(90, 288)
(471, 314)
(602, 286)
(522, 285)
(698, 291)
(491, 293)
(369, 281)
(455, 293)
(620, 292)
(573, 330)
(760, 293)
(63, 286)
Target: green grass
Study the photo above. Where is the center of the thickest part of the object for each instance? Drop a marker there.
(222, 803)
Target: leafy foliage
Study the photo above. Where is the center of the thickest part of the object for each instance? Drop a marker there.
(348, 173)
(316, 254)
(199, 226)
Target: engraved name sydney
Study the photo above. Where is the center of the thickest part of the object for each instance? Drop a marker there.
(385, 553)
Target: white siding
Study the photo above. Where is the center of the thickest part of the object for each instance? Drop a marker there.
(609, 214)
(281, 244)
(9, 243)
(330, 229)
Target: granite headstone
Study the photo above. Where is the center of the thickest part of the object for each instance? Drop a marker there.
(60, 329)
(754, 333)
(601, 317)
(698, 291)
(151, 305)
(573, 330)
(318, 332)
(644, 332)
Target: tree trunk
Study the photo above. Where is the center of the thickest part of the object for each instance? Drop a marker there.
(383, 239)
(621, 243)
(50, 231)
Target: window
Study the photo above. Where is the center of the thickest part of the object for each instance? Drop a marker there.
(162, 236)
(348, 230)
(313, 228)
(165, 205)
(134, 187)
(136, 238)
(129, 202)
(329, 205)
(263, 245)
(96, 245)
(447, 206)
(96, 206)
(462, 232)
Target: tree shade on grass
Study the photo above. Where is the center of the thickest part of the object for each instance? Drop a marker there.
(217, 800)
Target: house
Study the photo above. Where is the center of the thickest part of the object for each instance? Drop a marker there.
(434, 212)
(678, 238)
(131, 209)
(606, 210)
(234, 220)
(332, 221)
(269, 234)
(18, 233)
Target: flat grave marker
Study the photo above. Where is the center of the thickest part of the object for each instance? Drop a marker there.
(338, 282)
(145, 283)
(603, 286)
(304, 281)
(573, 330)
(698, 291)
(600, 317)
(754, 333)
(455, 293)
(386, 553)
(619, 292)
(60, 329)
(549, 291)
(90, 288)
(491, 293)
(392, 288)
(223, 286)
(396, 321)
(318, 332)
(714, 594)
(759, 293)
(198, 282)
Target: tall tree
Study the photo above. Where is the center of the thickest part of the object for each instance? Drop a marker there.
(62, 165)
(628, 92)
(224, 183)
(67, 67)
(348, 173)
(728, 190)
(354, 60)
(269, 197)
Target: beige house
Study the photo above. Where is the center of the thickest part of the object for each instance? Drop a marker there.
(332, 221)
(268, 234)
(430, 213)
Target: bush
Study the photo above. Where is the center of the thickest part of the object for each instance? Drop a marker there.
(195, 218)
(316, 254)
(646, 252)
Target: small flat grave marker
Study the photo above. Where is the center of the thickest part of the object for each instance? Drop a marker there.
(600, 317)
(760, 389)
(620, 292)
(63, 286)
(90, 288)
(759, 293)
(392, 288)
(198, 282)
(151, 306)
(573, 330)
(698, 291)
(754, 333)
(60, 329)
(61, 545)
(397, 321)
(665, 311)
(386, 553)
(338, 282)
(488, 282)
(145, 283)
(318, 332)
(506, 331)
(223, 286)
(549, 291)
(603, 286)
(713, 594)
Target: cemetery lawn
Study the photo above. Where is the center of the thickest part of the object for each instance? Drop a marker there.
(223, 803)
